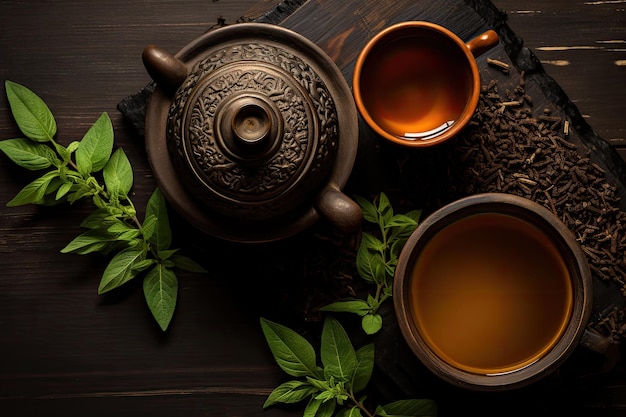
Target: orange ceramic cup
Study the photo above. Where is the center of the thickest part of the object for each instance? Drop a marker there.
(417, 83)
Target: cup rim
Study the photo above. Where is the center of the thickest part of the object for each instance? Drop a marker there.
(470, 105)
(574, 257)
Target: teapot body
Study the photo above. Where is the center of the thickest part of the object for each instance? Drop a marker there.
(257, 126)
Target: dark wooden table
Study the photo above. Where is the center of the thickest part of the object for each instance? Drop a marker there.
(65, 351)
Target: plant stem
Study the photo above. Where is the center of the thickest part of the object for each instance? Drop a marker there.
(360, 406)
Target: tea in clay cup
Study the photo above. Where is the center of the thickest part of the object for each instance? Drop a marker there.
(417, 83)
(493, 292)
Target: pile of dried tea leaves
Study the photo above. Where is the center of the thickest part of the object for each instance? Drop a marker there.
(508, 149)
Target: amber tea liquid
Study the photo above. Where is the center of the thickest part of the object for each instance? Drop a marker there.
(490, 294)
(417, 86)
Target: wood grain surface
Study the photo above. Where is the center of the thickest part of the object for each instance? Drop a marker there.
(65, 351)
(582, 46)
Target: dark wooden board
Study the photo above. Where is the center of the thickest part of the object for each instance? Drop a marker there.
(65, 351)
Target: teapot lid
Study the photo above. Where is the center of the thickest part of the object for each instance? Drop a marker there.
(245, 121)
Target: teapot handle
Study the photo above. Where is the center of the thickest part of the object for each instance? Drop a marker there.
(165, 69)
(339, 209)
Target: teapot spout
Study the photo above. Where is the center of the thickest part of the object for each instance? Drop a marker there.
(164, 68)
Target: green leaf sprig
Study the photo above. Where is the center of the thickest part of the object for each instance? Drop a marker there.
(377, 258)
(334, 388)
(89, 168)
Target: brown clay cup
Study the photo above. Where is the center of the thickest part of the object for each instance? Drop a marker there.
(417, 83)
(493, 292)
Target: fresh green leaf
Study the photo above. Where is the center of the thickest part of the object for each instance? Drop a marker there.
(415, 215)
(160, 288)
(384, 209)
(99, 219)
(364, 369)
(88, 242)
(372, 323)
(359, 307)
(95, 148)
(370, 265)
(166, 254)
(290, 392)
(120, 269)
(34, 192)
(350, 412)
(118, 174)
(71, 148)
(148, 227)
(187, 264)
(319, 384)
(78, 192)
(119, 227)
(27, 154)
(63, 190)
(319, 408)
(372, 243)
(336, 351)
(370, 213)
(292, 352)
(141, 266)
(31, 114)
(401, 220)
(162, 236)
(408, 408)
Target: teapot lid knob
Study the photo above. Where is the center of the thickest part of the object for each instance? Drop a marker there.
(250, 128)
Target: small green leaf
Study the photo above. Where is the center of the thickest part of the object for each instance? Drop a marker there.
(336, 351)
(160, 288)
(408, 408)
(415, 215)
(162, 236)
(99, 219)
(119, 227)
(35, 192)
(31, 114)
(187, 264)
(63, 190)
(71, 148)
(118, 174)
(359, 307)
(384, 209)
(95, 148)
(372, 243)
(350, 412)
(290, 392)
(369, 210)
(364, 369)
(292, 352)
(78, 192)
(372, 323)
(403, 221)
(370, 265)
(29, 155)
(120, 269)
(166, 254)
(319, 408)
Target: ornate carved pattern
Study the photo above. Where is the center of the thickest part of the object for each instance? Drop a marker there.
(298, 95)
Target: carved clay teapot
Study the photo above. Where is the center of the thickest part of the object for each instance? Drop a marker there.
(251, 133)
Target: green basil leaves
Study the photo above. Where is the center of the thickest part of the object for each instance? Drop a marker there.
(90, 168)
(335, 386)
(377, 258)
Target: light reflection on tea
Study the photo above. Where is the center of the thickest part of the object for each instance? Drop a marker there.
(417, 87)
(490, 294)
